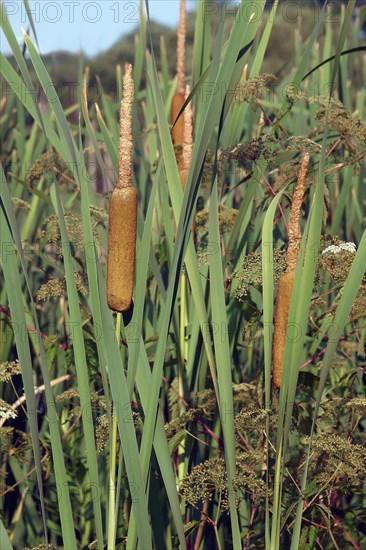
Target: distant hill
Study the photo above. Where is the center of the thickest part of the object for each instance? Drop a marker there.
(64, 66)
(124, 51)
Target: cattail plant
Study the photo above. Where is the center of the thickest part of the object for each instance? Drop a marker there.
(123, 212)
(185, 161)
(179, 96)
(286, 280)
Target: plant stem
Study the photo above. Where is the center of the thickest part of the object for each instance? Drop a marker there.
(112, 466)
(182, 407)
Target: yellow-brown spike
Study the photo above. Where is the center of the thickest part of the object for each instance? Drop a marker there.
(294, 232)
(187, 141)
(178, 98)
(181, 48)
(286, 280)
(125, 131)
(187, 145)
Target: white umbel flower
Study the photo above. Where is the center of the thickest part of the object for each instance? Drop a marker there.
(337, 249)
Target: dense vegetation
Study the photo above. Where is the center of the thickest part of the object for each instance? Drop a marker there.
(162, 428)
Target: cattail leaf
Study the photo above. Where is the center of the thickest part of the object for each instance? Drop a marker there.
(222, 353)
(140, 49)
(89, 126)
(108, 140)
(30, 17)
(4, 538)
(332, 57)
(142, 261)
(268, 299)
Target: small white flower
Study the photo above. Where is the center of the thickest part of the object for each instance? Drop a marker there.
(7, 413)
(336, 249)
(350, 247)
(330, 249)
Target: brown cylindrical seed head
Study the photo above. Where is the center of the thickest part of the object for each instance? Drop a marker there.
(178, 129)
(283, 301)
(121, 248)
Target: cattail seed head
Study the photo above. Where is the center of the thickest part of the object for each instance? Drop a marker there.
(123, 212)
(121, 248)
(286, 280)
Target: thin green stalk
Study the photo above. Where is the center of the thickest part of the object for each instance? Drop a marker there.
(181, 374)
(112, 519)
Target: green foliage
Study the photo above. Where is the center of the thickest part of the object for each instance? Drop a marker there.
(210, 478)
(181, 395)
(250, 272)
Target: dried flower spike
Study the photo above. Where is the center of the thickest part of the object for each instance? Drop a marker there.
(294, 232)
(125, 132)
(286, 280)
(123, 212)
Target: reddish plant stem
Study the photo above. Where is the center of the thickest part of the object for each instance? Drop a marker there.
(273, 194)
(201, 525)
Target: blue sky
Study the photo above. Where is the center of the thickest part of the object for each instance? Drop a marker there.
(93, 26)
